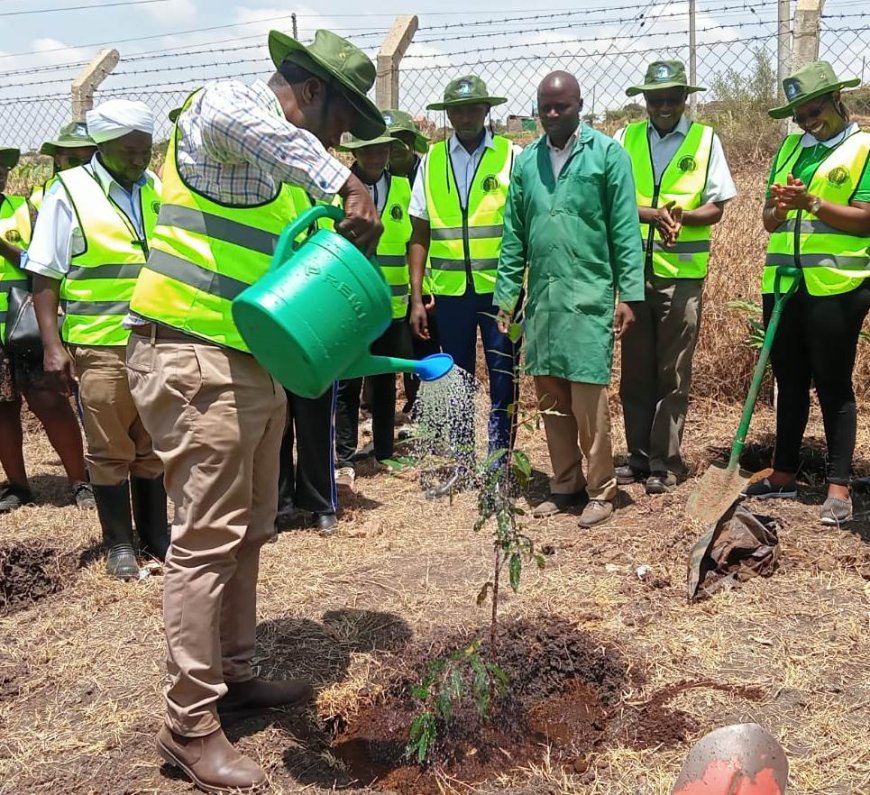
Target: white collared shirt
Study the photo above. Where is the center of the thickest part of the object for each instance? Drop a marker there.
(558, 157)
(808, 140)
(465, 165)
(720, 184)
(57, 236)
(378, 191)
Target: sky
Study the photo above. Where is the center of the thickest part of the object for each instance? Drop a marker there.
(166, 49)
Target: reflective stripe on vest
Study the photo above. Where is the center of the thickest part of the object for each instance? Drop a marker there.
(393, 245)
(466, 243)
(833, 261)
(683, 181)
(15, 230)
(203, 254)
(96, 292)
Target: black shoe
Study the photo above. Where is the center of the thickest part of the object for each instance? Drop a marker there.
(14, 497)
(116, 520)
(149, 513)
(626, 474)
(326, 523)
(661, 483)
(83, 495)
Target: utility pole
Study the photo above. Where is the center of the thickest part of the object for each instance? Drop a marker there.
(398, 39)
(783, 42)
(295, 31)
(693, 56)
(87, 81)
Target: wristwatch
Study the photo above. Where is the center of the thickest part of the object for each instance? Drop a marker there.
(815, 205)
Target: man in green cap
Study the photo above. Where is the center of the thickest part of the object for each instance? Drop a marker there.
(242, 162)
(457, 212)
(683, 182)
(392, 196)
(72, 147)
(23, 376)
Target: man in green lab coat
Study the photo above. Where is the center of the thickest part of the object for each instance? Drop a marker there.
(572, 216)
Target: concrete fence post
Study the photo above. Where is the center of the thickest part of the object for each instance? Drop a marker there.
(807, 30)
(398, 39)
(88, 79)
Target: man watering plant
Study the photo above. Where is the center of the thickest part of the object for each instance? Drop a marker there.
(216, 416)
(682, 182)
(571, 230)
(457, 210)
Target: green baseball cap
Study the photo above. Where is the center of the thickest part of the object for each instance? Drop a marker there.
(663, 74)
(399, 121)
(466, 90)
(334, 59)
(359, 143)
(71, 136)
(809, 82)
(9, 156)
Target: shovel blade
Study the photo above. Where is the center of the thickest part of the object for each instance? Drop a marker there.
(718, 490)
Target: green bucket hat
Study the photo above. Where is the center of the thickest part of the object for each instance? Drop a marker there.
(399, 121)
(807, 83)
(359, 143)
(332, 58)
(9, 156)
(663, 74)
(466, 90)
(71, 136)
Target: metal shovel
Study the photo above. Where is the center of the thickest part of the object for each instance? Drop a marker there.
(720, 487)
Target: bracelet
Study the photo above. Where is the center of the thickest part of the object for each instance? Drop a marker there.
(776, 216)
(814, 205)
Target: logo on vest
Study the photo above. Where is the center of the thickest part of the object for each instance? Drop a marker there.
(13, 236)
(687, 164)
(837, 176)
(464, 88)
(155, 207)
(490, 184)
(792, 88)
(663, 72)
(396, 212)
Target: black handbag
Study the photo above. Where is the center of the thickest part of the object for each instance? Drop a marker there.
(22, 329)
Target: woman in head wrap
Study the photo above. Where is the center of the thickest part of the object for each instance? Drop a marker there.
(818, 216)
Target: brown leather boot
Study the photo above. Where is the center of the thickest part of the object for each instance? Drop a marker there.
(256, 695)
(210, 762)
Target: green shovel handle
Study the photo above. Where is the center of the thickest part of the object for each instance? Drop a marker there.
(287, 242)
(779, 300)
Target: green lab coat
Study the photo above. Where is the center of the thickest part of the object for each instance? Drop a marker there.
(580, 239)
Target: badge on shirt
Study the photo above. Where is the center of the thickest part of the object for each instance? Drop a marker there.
(12, 236)
(396, 212)
(687, 164)
(490, 184)
(837, 176)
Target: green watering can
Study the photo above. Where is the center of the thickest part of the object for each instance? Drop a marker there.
(311, 318)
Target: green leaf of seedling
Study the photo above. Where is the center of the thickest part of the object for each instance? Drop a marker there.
(515, 568)
(455, 684)
(522, 463)
(541, 561)
(443, 704)
(484, 592)
(499, 676)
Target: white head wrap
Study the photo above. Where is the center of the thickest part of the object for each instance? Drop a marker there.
(119, 117)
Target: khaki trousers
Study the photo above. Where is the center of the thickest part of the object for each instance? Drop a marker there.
(217, 418)
(657, 373)
(118, 444)
(584, 417)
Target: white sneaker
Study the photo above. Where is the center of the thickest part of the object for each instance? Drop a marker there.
(344, 478)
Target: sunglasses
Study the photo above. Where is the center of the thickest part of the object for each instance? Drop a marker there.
(810, 113)
(657, 101)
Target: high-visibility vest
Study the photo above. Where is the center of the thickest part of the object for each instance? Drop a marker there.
(37, 196)
(832, 261)
(465, 243)
(204, 254)
(96, 291)
(683, 181)
(393, 245)
(15, 230)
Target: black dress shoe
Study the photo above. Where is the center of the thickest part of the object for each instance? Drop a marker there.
(326, 523)
(626, 474)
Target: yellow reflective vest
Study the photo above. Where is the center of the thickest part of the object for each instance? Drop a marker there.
(832, 261)
(96, 291)
(683, 181)
(393, 245)
(465, 242)
(15, 230)
(204, 253)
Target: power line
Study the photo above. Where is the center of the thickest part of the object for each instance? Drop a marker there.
(78, 8)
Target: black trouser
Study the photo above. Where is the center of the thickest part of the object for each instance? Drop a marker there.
(816, 343)
(421, 349)
(395, 341)
(310, 485)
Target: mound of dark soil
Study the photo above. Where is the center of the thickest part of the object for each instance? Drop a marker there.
(28, 575)
(565, 692)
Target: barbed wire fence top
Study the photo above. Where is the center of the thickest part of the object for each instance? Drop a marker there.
(607, 47)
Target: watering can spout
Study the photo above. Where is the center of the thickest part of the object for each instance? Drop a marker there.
(431, 368)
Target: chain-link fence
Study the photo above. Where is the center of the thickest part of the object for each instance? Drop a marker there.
(607, 48)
